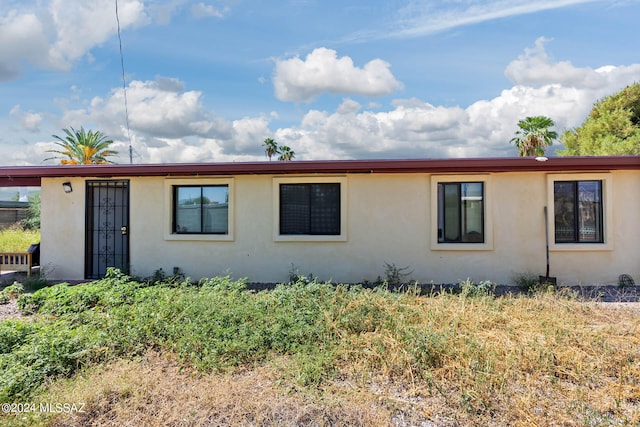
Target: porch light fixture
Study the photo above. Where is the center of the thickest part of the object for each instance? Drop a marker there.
(67, 187)
(542, 158)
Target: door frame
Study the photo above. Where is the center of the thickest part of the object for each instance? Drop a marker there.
(120, 228)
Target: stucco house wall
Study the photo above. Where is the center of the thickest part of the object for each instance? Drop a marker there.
(387, 218)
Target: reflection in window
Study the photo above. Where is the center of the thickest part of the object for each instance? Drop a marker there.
(201, 209)
(461, 212)
(578, 211)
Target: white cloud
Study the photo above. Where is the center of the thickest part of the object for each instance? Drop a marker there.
(60, 33)
(28, 120)
(322, 71)
(421, 18)
(201, 10)
(23, 39)
(414, 128)
(159, 108)
(171, 124)
(163, 12)
(536, 68)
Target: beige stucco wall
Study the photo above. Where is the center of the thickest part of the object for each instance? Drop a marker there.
(62, 229)
(389, 218)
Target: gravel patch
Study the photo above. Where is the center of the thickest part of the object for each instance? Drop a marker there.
(10, 310)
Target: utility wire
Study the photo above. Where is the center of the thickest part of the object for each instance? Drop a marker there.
(124, 87)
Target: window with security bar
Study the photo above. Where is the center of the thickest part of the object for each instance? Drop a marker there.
(310, 209)
(578, 211)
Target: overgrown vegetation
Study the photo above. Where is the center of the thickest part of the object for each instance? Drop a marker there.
(16, 239)
(32, 220)
(322, 354)
(12, 291)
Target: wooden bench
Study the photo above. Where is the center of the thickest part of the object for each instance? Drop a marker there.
(16, 261)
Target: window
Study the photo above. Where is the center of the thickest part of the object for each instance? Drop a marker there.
(310, 209)
(578, 211)
(461, 212)
(200, 209)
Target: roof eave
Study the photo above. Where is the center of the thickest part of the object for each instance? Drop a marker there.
(31, 175)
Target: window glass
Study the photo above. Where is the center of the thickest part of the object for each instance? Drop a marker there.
(201, 209)
(564, 208)
(312, 209)
(578, 211)
(461, 212)
(590, 211)
(451, 212)
(472, 212)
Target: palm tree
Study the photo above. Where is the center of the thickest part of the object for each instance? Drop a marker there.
(83, 148)
(271, 148)
(286, 153)
(534, 136)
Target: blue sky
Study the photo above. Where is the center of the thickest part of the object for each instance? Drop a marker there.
(208, 81)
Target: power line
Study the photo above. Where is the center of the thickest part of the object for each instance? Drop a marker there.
(124, 88)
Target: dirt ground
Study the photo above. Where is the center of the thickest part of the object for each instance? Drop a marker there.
(10, 310)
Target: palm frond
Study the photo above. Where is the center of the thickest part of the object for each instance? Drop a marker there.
(82, 147)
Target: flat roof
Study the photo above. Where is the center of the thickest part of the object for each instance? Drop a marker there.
(5, 204)
(17, 176)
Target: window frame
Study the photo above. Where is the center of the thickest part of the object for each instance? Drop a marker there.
(277, 237)
(487, 215)
(606, 209)
(460, 205)
(170, 208)
(201, 211)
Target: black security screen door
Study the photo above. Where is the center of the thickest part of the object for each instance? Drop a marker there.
(107, 227)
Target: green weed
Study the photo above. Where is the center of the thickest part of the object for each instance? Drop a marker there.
(484, 356)
(395, 275)
(481, 289)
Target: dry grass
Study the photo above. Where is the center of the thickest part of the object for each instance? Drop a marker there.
(157, 391)
(445, 360)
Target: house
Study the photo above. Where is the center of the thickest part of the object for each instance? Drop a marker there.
(447, 219)
(12, 212)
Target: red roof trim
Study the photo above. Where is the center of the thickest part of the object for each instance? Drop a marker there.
(31, 175)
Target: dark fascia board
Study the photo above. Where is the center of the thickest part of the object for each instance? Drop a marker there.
(31, 175)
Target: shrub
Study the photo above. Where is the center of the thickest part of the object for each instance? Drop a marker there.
(530, 283)
(527, 282)
(36, 281)
(13, 290)
(481, 289)
(115, 289)
(395, 275)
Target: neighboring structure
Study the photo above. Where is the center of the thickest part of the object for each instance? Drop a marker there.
(12, 213)
(343, 220)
